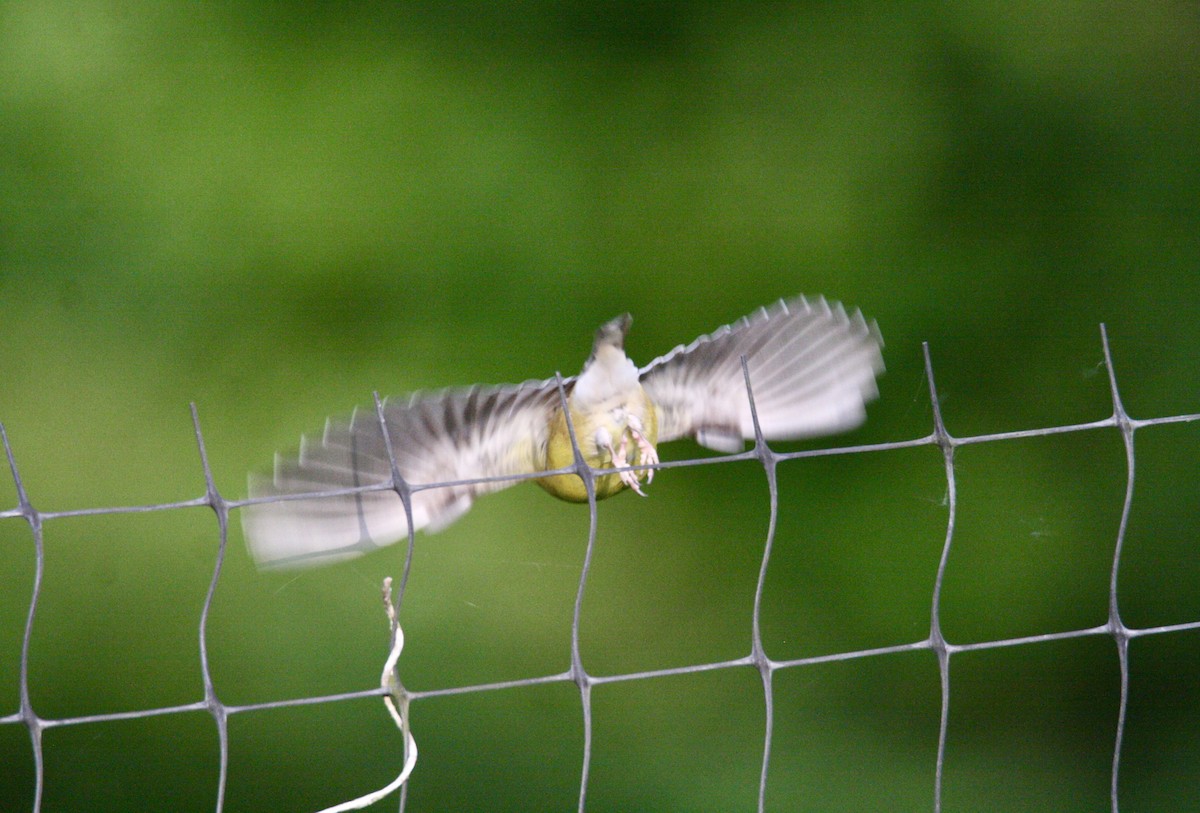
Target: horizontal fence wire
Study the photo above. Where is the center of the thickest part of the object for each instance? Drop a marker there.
(757, 658)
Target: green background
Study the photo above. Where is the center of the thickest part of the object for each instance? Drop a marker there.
(274, 209)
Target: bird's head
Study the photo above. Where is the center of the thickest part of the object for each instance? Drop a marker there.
(612, 333)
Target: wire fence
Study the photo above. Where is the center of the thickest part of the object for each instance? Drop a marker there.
(403, 700)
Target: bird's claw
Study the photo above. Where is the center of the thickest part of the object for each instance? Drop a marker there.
(620, 461)
(647, 454)
(628, 477)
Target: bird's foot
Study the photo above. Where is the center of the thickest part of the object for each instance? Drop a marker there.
(629, 478)
(619, 459)
(647, 454)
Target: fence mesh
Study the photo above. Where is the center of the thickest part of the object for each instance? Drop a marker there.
(577, 674)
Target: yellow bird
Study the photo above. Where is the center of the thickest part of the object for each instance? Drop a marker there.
(812, 369)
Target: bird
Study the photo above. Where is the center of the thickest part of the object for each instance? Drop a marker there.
(812, 369)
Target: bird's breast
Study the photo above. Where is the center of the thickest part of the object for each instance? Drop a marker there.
(615, 417)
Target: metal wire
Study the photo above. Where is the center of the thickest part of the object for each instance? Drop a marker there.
(577, 674)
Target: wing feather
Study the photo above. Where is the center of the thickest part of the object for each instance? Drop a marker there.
(440, 437)
(812, 369)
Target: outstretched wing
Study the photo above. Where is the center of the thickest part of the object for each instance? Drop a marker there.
(435, 437)
(812, 370)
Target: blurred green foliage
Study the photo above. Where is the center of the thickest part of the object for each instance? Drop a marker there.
(275, 209)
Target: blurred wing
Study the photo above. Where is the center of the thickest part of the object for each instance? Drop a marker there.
(436, 438)
(812, 370)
